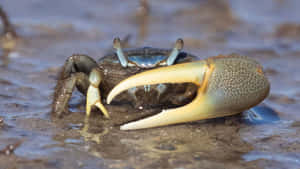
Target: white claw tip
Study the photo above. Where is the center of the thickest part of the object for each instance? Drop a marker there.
(128, 126)
(109, 98)
(123, 127)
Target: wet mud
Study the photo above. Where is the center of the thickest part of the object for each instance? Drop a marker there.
(50, 31)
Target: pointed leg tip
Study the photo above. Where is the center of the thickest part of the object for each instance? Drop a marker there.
(88, 109)
(105, 113)
(103, 109)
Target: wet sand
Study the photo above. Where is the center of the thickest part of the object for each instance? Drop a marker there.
(51, 31)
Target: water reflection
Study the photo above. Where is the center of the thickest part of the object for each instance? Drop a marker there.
(89, 135)
(291, 158)
(261, 114)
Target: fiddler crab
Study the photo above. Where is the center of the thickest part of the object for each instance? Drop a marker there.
(214, 87)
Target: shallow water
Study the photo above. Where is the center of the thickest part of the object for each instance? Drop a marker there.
(53, 30)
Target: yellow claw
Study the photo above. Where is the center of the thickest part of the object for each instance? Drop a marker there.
(93, 94)
(227, 86)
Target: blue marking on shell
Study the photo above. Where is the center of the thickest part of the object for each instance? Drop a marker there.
(147, 62)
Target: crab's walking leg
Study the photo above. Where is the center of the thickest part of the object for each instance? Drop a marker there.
(63, 93)
(227, 85)
(75, 72)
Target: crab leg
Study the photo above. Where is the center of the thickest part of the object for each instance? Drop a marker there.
(227, 86)
(82, 72)
(93, 93)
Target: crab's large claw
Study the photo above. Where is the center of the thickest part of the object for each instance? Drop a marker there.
(227, 85)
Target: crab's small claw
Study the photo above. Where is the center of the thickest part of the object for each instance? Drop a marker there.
(93, 93)
(227, 86)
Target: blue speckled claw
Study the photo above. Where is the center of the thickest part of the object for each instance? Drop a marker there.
(227, 85)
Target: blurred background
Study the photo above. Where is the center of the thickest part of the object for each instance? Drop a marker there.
(50, 31)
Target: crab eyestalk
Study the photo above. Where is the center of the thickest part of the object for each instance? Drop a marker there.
(176, 50)
(121, 56)
(227, 86)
